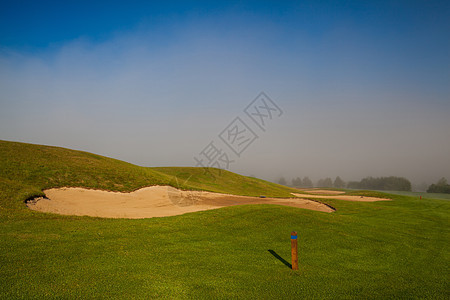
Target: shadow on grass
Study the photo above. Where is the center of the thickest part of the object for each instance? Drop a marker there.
(287, 264)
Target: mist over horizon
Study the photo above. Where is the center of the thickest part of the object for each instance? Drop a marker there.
(364, 88)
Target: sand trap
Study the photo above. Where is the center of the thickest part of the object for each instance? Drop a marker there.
(344, 197)
(154, 201)
(321, 192)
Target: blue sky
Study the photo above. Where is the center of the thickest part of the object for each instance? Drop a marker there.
(365, 85)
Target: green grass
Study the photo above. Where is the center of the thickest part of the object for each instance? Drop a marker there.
(27, 169)
(222, 181)
(423, 194)
(395, 249)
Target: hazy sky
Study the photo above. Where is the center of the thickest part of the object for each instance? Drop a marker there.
(364, 86)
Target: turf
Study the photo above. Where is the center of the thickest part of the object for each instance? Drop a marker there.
(28, 169)
(395, 249)
(424, 195)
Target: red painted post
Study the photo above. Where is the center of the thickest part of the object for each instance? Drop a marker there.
(294, 252)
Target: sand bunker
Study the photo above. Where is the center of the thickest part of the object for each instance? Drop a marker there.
(343, 197)
(155, 201)
(321, 192)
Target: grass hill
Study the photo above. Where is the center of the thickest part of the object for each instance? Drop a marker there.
(27, 169)
(389, 249)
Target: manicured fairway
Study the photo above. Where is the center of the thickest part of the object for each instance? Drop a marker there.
(424, 195)
(389, 249)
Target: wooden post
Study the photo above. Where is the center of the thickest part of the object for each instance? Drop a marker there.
(294, 250)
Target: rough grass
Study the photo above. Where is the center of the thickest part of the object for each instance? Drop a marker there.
(389, 249)
(28, 169)
(223, 181)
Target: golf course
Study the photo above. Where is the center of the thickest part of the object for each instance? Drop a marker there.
(396, 248)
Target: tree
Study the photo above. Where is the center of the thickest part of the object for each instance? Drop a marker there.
(391, 183)
(327, 182)
(282, 181)
(339, 183)
(440, 187)
(306, 182)
(297, 182)
(442, 181)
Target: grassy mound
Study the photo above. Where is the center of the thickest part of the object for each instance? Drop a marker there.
(27, 169)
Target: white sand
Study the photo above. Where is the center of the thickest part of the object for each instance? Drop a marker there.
(154, 201)
(321, 192)
(343, 197)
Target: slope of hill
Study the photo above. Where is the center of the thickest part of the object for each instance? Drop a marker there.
(27, 169)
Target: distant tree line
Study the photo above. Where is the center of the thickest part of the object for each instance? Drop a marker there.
(440, 187)
(302, 183)
(328, 183)
(307, 183)
(374, 183)
(390, 183)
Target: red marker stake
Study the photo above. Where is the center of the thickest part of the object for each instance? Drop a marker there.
(294, 250)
